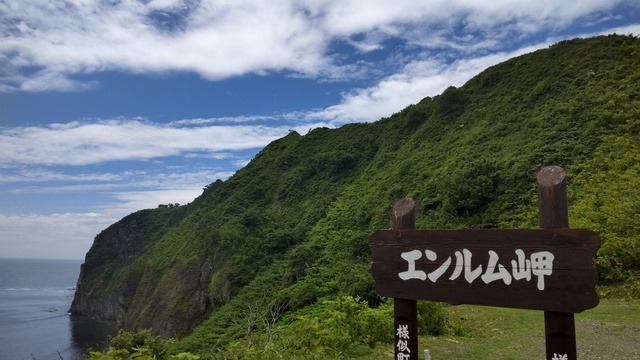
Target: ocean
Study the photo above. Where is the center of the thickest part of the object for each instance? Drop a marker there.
(35, 296)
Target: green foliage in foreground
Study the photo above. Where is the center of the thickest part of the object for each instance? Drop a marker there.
(141, 345)
(343, 328)
(473, 332)
(278, 253)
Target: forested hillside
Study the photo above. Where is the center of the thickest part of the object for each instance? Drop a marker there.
(285, 240)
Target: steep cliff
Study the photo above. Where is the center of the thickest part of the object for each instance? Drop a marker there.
(292, 226)
(112, 287)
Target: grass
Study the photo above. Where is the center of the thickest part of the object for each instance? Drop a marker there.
(609, 331)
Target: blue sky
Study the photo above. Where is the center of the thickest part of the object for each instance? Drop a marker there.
(111, 106)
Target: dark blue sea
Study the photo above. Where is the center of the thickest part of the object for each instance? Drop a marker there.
(35, 296)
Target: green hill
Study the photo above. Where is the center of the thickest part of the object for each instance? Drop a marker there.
(286, 238)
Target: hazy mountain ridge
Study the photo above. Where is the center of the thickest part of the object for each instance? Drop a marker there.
(292, 227)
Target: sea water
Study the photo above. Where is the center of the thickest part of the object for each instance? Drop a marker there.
(35, 296)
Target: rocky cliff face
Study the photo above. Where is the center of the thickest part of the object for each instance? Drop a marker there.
(149, 303)
(169, 301)
(113, 249)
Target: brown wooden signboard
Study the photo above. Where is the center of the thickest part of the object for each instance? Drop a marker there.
(538, 269)
(546, 269)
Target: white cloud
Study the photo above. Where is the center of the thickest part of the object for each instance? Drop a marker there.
(624, 30)
(130, 201)
(416, 80)
(182, 178)
(55, 236)
(241, 163)
(69, 235)
(100, 141)
(164, 4)
(223, 120)
(66, 188)
(47, 80)
(222, 39)
(217, 156)
(430, 77)
(78, 143)
(45, 175)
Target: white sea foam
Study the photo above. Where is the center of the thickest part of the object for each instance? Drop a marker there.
(20, 289)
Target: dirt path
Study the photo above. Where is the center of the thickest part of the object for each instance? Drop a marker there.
(610, 331)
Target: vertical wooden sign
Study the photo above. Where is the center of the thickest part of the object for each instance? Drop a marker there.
(560, 331)
(405, 311)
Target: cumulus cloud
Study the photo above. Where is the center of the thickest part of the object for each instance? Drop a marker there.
(47, 44)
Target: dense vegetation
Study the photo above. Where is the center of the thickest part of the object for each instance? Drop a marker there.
(277, 255)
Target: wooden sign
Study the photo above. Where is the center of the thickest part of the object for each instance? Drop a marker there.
(538, 269)
(549, 269)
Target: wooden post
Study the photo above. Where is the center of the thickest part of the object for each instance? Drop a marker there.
(560, 332)
(405, 311)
